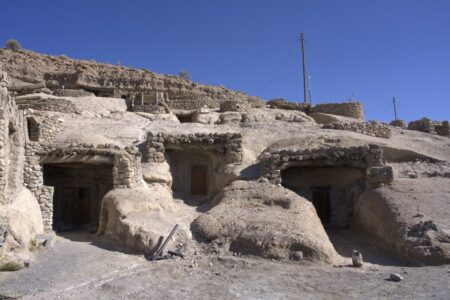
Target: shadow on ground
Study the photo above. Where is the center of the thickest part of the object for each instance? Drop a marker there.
(347, 240)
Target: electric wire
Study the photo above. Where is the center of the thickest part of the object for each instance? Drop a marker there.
(285, 61)
(247, 59)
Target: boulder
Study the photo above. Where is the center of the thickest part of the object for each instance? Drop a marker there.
(22, 221)
(137, 218)
(157, 173)
(266, 220)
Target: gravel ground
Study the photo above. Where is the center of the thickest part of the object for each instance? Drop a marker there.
(82, 266)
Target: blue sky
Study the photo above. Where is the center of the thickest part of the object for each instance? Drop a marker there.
(373, 50)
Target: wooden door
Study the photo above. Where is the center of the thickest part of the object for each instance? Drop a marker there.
(321, 202)
(74, 206)
(199, 180)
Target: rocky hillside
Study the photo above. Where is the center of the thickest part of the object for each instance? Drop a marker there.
(106, 79)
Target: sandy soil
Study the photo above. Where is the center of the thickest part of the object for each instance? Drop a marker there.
(83, 266)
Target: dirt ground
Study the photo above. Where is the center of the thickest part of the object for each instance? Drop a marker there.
(83, 266)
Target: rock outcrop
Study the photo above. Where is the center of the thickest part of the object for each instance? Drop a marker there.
(60, 72)
(408, 220)
(262, 219)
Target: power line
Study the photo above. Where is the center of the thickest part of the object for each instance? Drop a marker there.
(278, 71)
(330, 80)
(248, 58)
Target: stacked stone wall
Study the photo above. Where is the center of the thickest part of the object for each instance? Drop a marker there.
(193, 104)
(234, 106)
(371, 128)
(348, 109)
(126, 161)
(126, 168)
(11, 147)
(153, 109)
(443, 129)
(283, 104)
(72, 93)
(398, 123)
(430, 126)
(36, 102)
(369, 157)
(227, 144)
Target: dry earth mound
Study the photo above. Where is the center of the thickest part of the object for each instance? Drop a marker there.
(263, 219)
(410, 219)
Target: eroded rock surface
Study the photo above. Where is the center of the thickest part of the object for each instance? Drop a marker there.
(262, 219)
(410, 220)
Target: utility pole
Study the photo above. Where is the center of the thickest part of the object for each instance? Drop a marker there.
(395, 107)
(302, 41)
(309, 90)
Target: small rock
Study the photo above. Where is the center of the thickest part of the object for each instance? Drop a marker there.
(357, 259)
(395, 277)
(296, 255)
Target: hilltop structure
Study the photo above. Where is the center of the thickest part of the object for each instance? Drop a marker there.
(127, 154)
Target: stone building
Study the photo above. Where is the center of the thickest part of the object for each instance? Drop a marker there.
(332, 178)
(167, 151)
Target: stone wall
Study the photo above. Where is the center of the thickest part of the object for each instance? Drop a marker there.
(234, 106)
(371, 128)
(11, 147)
(72, 93)
(60, 72)
(193, 104)
(226, 144)
(340, 175)
(430, 126)
(48, 103)
(153, 109)
(283, 104)
(348, 109)
(125, 161)
(364, 157)
(126, 168)
(398, 123)
(443, 129)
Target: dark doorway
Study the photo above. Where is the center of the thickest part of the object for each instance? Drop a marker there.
(321, 202)
(73, 205)
(193, 176)
(199, 180)
(185, 117)
(33, 129)
(78, 191)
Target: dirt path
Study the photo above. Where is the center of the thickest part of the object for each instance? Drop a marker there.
(81, 266)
